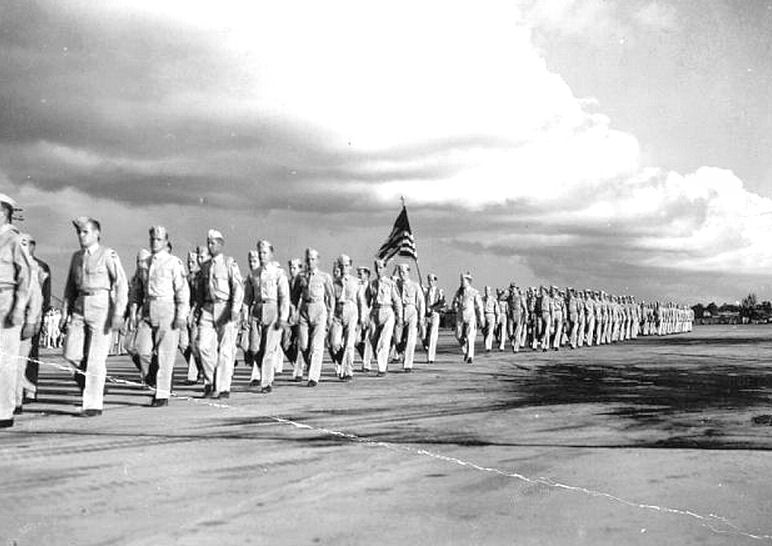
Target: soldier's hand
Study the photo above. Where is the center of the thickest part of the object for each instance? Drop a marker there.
(27, 331)
(116, 323)
(179, 323)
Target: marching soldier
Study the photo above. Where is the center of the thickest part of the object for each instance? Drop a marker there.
(219, 297)
(582, 318)
(502, 330)
(163, 306)
(490, 317)
(363, 340)
(545, 312)
(556, 313)
(291, 336)
(573, 318)
(33, 319)
(385, 312)
(266, 304)
(44, 281)
(15, 278)
(468, 306)
(517, 308)
(349, 307)
(315, 314)
(412, 315)
(435, 302)
(95, 297)
(189, 334)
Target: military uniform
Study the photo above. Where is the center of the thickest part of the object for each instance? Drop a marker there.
(266, 296)
(95, 294)
(490, 318)
(468, 306)
(412, 299)
(15, 278)
(349, 303)
(220, 295)
(315, 313)
(435, 301)
(164, 305)
(292, 345)
(385, 307)
(32, 368)
(33, 318)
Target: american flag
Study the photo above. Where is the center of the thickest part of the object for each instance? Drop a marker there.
(400, 241)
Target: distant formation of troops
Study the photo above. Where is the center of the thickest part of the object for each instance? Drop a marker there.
(205, 309)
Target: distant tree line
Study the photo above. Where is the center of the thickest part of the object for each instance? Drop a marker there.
(750, 310)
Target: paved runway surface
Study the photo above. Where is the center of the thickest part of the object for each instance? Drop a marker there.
(646, 442)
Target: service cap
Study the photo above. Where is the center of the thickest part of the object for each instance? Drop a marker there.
(213, 234)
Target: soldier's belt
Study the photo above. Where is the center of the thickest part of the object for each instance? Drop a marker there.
(92, 291)
(313, 300)
(261, 302)
(382, 305)
(169, 299)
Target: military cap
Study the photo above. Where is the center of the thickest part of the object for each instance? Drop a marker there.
(158, 231)
(512, 285)
(364, 268)
(432, 276)
(192, 255)
(296, 262)
(265, 243)
(252, 254)
(28, 237)
(344, 259)
(214, 234)
(82, 221)
(467, 276)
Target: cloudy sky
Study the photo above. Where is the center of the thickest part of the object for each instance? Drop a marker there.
(606, 143)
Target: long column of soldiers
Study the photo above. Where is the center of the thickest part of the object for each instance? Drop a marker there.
(209, 311)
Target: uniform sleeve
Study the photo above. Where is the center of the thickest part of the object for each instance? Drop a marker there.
(283, 294)
(237, 286)
(69, 287)
(35, 303)
(120, 283)
(421, 303)
(23, 266)
(181, 291)
(249, 295)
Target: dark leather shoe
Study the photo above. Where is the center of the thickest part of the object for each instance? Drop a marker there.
(223, 395)
(267, 389)
(189, 382)
(380, 374)
(298, 379)
(312, 383)
(18, 410)
(408, 370)
(254, 384)
(208, 391)
(91, 413)
(6, 423)
(159, 402)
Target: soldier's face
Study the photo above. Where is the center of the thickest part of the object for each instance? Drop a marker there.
(192, 263)
(432, 282)
(294, 269)
(402, 273)
(87, 235)
(202, 256)
(264, 254)
(157, 244)
(363, 275)
(214, 246)
(254, 263)
(346, 269)
(312, 261)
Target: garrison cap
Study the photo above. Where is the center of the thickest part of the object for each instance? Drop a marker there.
(296, 262)
(265, 243)
(8, 200)
(192, 255)
(467, 276)
(252, 254)
(432, 276)
(344, 259)
(82, 221)
(363, 268)
(213, 234)
(159, 231)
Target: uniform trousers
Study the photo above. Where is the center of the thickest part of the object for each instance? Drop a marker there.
(488, 330)
(432, 335)
(89, 336)
(381, 329)
(343, 345)
(466, 332)
(409, 336)
(557, 330)
(502, 331)
(217, 345)
(515, 325)
(313, 328)
(9, 356)
(264, 342)
(157, 337)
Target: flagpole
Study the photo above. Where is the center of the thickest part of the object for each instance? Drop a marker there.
(415, 258)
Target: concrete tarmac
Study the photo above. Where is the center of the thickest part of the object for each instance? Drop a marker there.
(654, 441)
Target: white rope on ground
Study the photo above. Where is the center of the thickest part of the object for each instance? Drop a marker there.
(711, 521)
